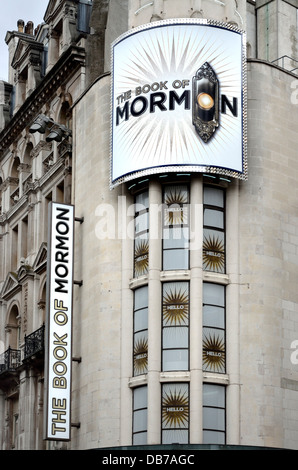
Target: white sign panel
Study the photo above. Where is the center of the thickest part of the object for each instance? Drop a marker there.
(59, 322)
(178, 100)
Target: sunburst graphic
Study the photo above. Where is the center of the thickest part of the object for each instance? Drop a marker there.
(213, 254)
(214, 356)
(166, 138)
(141, 258)
(175, 307)
(176, 212)
(141, 356)
(175, 409)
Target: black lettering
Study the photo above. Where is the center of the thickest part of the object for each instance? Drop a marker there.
(122, 112)
(61, 285)
(173, 97)
(61, 270)
(144, 105)
(62, 228)
(63, 213)
(232, 107)
(61, 245)
(59, 256)
(157, 99)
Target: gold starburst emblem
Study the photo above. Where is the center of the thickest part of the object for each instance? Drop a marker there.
(176, 212)
(175, 307)
(213, 254)
(141, 356)
(214, 353)
(141, 258)
(175, 409)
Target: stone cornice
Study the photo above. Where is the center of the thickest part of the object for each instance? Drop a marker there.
(68, 63)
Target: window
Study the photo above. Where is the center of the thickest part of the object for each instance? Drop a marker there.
(214, 230)
(214, 420)
(175, 227)
(175, 322)
(139, 430)
(175, 413)
(140, 332)
(214, 348)
(141, 247)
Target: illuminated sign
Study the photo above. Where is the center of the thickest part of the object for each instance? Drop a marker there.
(178, 100)
(59, 322)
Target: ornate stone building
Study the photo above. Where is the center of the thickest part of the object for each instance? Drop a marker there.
(179, 336)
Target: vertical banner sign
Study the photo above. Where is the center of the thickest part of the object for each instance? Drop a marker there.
(59, 322)
(179, 100)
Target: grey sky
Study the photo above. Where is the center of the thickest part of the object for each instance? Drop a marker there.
(11, 12)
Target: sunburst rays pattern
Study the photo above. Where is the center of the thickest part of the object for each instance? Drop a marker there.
(140, 359)
(165, 139)
(176, 200)
(214, 356)
(214, 253)
(141, 257)
(175, 406)
(175, 304)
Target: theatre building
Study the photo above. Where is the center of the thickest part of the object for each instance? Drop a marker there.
(149, 226)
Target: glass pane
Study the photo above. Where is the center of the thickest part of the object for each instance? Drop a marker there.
(214, 418)
(140, 353)
(141, 222)
(176, 214)
(214, 250)
(177, 436)
(175, 359)
(141, 255)
(141, 297)
(175, 406)
(213, 437)
(176, 198)
(175, 259)
(213, 395)
(176, 237)
(213, 218)
(141, 319)
(142, 201)
(214, 356)
(175, 303)
(140, 420)
(176, 194)
(140, 439)
(214, 196)
(213, 316)
(175, 337)
(213, 294)
(140, 398)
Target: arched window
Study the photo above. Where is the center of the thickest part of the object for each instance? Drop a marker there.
(12, 328)
(14, 181)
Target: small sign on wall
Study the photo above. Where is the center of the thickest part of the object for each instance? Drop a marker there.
(58, 350)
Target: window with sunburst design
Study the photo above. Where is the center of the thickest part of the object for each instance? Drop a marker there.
(175, 227)
(140, 336)
(214, 230)
(175, 413)
(214, 343)
(175, 326)
(141, 245)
